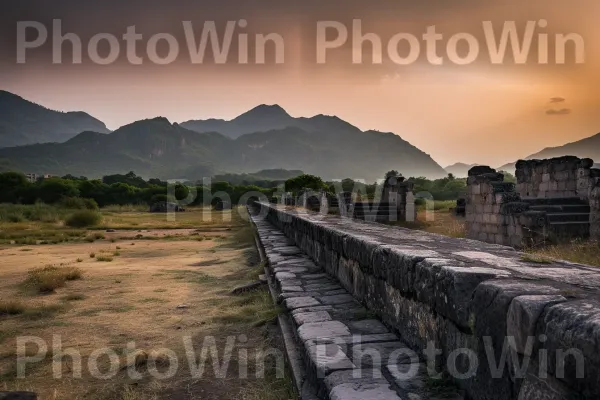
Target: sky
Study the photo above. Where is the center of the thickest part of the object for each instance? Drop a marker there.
(467, 109)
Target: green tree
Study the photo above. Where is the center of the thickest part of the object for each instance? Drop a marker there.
(52, 190)
(304, 181)
(11, 184)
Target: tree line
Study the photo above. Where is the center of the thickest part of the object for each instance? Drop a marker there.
(132, 189)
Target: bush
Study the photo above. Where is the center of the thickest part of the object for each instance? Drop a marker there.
(50, 278)
(83, 218)
(11, 308)
(78, 203)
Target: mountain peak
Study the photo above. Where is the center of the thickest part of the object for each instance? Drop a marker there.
(264, 111)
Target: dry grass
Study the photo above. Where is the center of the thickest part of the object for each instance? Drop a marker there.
(11, 308)
(135, 298)
(577, 251)
(50, 278)
(444, 223)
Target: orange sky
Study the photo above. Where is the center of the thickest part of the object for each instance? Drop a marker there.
(479, 113)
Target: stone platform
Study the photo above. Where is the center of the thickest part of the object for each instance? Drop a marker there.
(339, 278)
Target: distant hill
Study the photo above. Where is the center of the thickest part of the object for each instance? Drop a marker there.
(269, 137)
(23, 122)
(585, 148)
(332, 148)
(459, 170)
(266, 175)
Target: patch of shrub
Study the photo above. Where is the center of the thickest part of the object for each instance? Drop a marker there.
(45, 311)
(104, 259)
(74, 297)
(83, 218)
(78, 203)
(50, 278)
(11, 308)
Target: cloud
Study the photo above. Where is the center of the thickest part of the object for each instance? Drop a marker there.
(557, 100)
(562, 111)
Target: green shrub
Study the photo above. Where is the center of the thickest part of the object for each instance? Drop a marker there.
(83, 218)
(78, 203)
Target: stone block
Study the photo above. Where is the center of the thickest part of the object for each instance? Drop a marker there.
(522, 318)
(319, 330)
(574, 327)
(311, 317)
(361, 391)
(546, 177)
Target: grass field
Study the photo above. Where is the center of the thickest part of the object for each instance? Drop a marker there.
(442, 221)
(151, 282)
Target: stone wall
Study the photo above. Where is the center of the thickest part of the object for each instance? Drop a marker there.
(595, 212)
(554, 178)
(468, 297)
(496, 214)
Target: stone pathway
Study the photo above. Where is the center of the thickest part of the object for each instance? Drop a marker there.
(347, 353)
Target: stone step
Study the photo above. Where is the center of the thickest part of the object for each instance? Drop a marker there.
(555, 201)
(568, 208)
(568, 217)
(570, 229)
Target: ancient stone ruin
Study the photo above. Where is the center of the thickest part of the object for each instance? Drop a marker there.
(365, 302)
(553, 200)
(396, 203)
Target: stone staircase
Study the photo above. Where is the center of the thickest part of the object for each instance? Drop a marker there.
(568, 217)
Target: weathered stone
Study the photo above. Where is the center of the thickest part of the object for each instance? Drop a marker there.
(286, 288)
(536, 388)
(327, 329)
(282, 276)
(522, 317)
(422, 285)
(326, 358)
(300, 302)
(311, 317)
(361, 391)
(367, 326)
(336, 299)
(572, 331)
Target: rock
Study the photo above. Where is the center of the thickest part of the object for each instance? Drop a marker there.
(182, 306)
(247, 288)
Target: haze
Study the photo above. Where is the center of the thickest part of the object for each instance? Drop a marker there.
(480, 113)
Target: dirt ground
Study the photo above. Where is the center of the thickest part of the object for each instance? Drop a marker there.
(157, 291)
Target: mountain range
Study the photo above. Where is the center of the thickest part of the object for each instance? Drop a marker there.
(585, 148)
(265, 137)
(23, 122)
